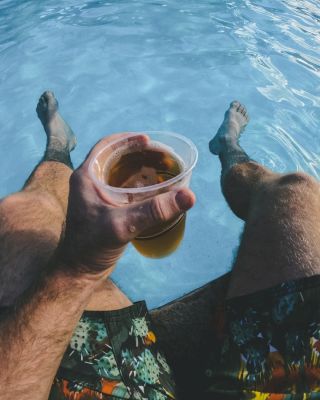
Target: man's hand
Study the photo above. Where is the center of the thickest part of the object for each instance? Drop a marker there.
(97, 230)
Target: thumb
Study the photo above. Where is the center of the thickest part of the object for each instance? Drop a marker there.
(158, 210)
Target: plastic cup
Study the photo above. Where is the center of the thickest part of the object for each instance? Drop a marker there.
(165, 238)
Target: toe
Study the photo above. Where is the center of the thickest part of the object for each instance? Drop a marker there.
(245, 113)
(42, 102)
(242, 109)
(48, 95)
(235, 104)
(48, 101)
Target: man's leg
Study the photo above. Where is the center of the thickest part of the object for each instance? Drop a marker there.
(32, 220)
(281, 238)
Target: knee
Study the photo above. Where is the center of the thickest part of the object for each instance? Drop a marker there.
(28, 210)
(240, 184)
(297, 184)
(295, 194)
(297, 178)
(10, 207)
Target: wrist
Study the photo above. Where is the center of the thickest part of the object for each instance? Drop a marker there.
(62, 285)
(88, 260)
(78, 274)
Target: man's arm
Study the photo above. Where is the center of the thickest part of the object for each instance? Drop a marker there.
(33, 340)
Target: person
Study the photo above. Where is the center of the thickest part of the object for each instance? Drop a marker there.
(52, 267)
(265, 323)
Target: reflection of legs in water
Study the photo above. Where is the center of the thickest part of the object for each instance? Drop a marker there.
(32, 220)
(281, 238)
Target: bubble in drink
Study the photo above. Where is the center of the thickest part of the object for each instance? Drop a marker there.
(146, 167)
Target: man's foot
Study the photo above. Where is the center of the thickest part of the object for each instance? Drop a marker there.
(59, 133)
(235, 120)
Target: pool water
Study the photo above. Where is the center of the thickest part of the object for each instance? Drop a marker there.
(165, 65)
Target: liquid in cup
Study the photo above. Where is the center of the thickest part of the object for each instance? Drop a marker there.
(146, 167)
(137, 171)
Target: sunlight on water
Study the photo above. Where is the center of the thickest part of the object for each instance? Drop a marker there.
(165, 65)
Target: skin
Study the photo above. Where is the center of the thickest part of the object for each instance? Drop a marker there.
(34, 338)
(279, 242)
(281, 237)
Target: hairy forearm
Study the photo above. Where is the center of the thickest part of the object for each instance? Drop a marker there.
(33, 340)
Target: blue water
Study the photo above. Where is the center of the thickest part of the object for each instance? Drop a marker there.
(165, 65)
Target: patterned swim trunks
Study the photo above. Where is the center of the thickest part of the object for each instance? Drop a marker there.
(114, 355)
(266, 346)
(269, 345)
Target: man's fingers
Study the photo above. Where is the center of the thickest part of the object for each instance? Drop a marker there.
(157, 210)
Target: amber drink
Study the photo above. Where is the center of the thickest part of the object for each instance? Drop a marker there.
(133, 172)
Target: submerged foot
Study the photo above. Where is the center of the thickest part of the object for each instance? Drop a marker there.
(59, 133)
(235, 120)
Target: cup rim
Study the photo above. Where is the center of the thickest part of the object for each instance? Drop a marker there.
(149, 188)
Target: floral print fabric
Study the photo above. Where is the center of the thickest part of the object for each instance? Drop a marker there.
(268, 348)
(269, 345)
(114, 355)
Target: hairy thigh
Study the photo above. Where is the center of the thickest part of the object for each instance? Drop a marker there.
(30, 227)
(51, 178)
(281, 238)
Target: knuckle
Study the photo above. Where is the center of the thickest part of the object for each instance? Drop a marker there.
(164, 207)
(118, 230)
(158, 210)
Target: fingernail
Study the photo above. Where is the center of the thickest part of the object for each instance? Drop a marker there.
(185, 199)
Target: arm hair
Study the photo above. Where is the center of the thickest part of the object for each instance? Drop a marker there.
(34, 338)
